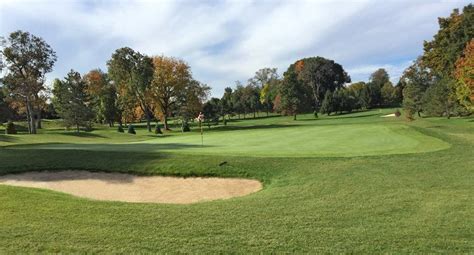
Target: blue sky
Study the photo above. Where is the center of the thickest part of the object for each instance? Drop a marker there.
(225, 41)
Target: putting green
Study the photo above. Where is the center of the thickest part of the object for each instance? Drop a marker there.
(307, 141)
(285, 141)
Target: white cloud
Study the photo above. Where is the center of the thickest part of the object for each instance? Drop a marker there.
(224, 41)
(364, 71)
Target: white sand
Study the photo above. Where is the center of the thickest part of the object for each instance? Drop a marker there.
(388, 115)
(130, 188)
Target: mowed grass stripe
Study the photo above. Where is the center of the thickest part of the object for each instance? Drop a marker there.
(285, 141)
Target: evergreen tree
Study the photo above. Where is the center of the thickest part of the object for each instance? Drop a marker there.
(439, 99)
(211, 111)
(226, 101)
(291, 94)
(416, 79)
(5, 111)
(71, 101)
(327, 105)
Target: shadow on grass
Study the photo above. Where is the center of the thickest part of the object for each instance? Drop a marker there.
(340, 116)
(53, 176)
(128, 147)
(7, 138)
(82, 134)
(254, 127)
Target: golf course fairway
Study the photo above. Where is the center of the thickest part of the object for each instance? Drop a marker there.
(352, 183)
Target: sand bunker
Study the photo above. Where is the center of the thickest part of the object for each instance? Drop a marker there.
(389, 115)
(130, 188)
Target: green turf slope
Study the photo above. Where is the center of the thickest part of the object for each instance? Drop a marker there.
(395, 203)
(274, 137)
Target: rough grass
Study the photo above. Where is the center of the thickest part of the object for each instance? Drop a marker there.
(400, 203)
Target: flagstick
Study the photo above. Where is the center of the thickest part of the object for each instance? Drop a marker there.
(200, 118)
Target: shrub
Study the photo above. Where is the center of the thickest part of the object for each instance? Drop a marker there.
(398, 113)
(131, 129)
(185, 127)
(158, 129)
(120, 129)
(10, 128)
(409, 115)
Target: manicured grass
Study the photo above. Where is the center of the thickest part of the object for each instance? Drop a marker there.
(267, 137)
(417, 200)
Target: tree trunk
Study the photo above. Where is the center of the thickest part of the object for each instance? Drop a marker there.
(448, 115)
(165, 122)
(148, 123)
(28, 117)
(77, 128)
(254, 114)
(32, 120)
(38, 120)
(148, 120)
(294, 116)
(316, 100)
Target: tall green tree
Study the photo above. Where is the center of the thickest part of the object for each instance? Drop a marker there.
(328, 104)
(448, 46)
(268, 94)
(132, 73)
(211, 111)
(264, 79)
(389, 94)
(72, 102)
(416, 79)
(5, 110)
(320, 75)
(251, 99)
(226, 101)
(103, 96)
(376, 82)
(439, 99)
(360, 91)
(190, 100)
(27, 59)
(264, 76)
(292, 94)
(455, 31)
(238, 99)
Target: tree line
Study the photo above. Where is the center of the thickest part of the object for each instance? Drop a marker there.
(314, 85)
(134, 87)
(438, 83)
(441, 81)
